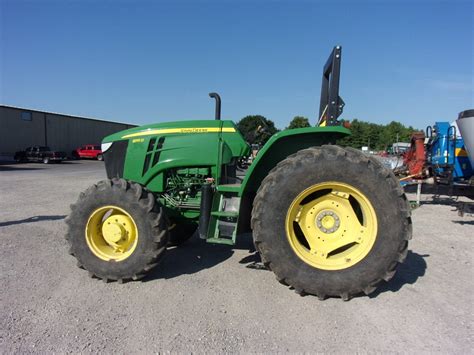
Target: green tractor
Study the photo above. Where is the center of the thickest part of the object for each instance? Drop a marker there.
(327, 220)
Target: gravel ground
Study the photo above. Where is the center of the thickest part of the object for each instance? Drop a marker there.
(206, 298)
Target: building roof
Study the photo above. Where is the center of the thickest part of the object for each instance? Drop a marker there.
(66, 115)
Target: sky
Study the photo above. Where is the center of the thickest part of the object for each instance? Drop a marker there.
(142, 62)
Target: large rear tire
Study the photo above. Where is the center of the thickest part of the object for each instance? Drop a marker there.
(330, 221)
(117, 230)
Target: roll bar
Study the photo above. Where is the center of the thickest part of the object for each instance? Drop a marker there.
(331, 104)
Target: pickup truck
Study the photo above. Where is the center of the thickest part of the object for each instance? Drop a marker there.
(88, 151)
(40, 154)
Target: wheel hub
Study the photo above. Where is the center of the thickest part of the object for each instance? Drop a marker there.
(111, 233)
(328, 222)
(333, 230)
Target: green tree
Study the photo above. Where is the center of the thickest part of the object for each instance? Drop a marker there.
(376, 136)
(299, 122)
(256, 129)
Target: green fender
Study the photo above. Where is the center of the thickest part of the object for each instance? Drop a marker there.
(285, 143)
(278, 147)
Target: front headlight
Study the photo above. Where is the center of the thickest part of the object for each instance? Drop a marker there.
(105, 146)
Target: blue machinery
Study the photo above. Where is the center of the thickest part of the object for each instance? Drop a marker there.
(446, 154)
(450, 160)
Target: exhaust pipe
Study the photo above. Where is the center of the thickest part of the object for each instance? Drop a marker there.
(215, 95)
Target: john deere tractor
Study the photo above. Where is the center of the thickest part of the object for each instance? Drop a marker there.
(327, 220)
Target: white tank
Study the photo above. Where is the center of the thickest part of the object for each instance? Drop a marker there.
(465, 123)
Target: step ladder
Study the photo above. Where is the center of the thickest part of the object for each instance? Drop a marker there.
(224, 215)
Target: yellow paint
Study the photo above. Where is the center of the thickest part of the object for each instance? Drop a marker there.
(138, 140)
(180, 131)
(461, 152)
(328, 222)
(111, 233)
(325, 232)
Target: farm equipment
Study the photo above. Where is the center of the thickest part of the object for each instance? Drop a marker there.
(443, 157)
(447, 157)
(441, 153)
(327, 220)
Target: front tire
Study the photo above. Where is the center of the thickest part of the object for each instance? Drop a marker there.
(330, 221)
(117, 230)
(100, 157)
(45, 160)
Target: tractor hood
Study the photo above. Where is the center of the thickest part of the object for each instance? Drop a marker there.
(177, 127)
(230, 133)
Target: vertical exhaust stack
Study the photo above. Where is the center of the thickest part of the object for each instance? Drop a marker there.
(216, 96)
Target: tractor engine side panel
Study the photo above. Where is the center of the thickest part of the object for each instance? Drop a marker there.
(151, 156)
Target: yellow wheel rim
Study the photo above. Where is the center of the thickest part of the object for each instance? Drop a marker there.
(331, 226)
(111, 233)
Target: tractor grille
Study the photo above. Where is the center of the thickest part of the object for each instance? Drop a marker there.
(114, 159)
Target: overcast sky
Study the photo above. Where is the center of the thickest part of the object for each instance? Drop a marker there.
(154, 61)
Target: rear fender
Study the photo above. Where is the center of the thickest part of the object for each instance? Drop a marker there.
(278, 147)
(285, 143)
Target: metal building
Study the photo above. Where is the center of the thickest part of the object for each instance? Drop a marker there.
(21, 128)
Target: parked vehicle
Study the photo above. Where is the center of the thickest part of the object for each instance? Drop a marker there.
(40, 154)
(91, 151)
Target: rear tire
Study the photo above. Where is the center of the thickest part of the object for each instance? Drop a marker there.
(45, 160)
(305, 188)
(100, 157)
(141, 242)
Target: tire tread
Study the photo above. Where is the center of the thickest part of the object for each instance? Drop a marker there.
(329, 152)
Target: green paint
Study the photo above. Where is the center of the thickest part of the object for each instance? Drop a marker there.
(174, 159)
(285, 143)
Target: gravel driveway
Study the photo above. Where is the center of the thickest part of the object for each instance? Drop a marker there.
(208, 297)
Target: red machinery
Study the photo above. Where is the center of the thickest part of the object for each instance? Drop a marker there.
(415, 157)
